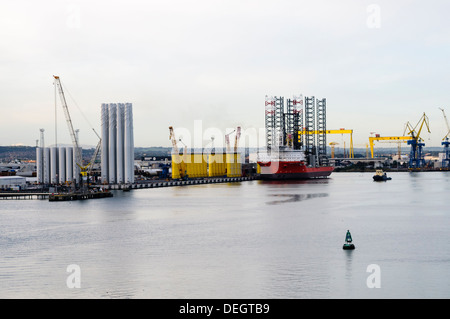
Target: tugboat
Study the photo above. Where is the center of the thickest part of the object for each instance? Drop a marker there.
(348, 242)
(380, 176)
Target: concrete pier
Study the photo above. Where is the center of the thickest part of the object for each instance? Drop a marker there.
(24, 195)
(169, 183)
(124, 187)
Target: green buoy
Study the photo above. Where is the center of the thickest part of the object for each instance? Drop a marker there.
(348, 242)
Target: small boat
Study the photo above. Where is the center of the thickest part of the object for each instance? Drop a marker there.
(380, 176)
(348, 242)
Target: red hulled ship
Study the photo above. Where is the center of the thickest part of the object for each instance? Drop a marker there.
(289, 164)
(288, 155)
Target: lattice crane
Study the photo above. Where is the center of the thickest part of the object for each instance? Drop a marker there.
(85, 169)
(446, 143)
(227, 141)
(236, 140)
(177, 162)
(416, 160)
(445, 138)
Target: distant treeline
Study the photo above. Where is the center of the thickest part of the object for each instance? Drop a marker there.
(9, 153)
(25, 153)
(28, 153)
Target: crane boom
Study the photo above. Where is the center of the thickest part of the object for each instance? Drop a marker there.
(446, 123)
(227, 141)
(173, 139)
(416, 134)
(236, 140)
(78, 157)
(94, 157)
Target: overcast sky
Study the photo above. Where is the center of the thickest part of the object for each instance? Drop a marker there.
(380, 64)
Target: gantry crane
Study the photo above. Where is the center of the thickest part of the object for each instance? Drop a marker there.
(85, 169)
(398, 139)
(416, 160)
(445, 142)
(332, 144)
(340, 131)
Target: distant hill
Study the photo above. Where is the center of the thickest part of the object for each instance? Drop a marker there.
(10, 153)
(156, 151)
(27, 153)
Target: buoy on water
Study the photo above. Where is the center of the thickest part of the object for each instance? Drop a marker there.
(348, 242)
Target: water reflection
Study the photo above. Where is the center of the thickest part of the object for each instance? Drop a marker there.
(296, 182)
(294, 198)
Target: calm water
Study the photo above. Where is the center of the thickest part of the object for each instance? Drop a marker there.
(240, 240)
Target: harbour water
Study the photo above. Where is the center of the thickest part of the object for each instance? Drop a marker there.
(251, 239)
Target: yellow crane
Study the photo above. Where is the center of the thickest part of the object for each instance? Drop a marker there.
(340, 131)
(85, 169)
(416, 130)
(400, 139)
(412, 139)
(332, 144)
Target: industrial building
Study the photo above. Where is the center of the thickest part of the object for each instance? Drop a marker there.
(7, 182)
(117, 148)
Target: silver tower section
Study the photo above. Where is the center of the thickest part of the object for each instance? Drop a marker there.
(129, 144)
(54, 165)
(120, 143)
(62, 165)
(105, 143)
(46, 165)
(40, 158)
(117, 143)
(69, 164)
(112, 143)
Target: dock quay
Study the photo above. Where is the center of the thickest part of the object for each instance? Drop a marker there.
(169, 183)
(78, 196)
(125, 187)
(24, 195)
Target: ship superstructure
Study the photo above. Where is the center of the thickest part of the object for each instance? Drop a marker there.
(289, 154)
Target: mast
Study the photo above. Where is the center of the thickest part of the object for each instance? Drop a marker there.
(78, 157)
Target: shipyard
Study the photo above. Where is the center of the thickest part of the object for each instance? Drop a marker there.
(296, 148)
(200, 153)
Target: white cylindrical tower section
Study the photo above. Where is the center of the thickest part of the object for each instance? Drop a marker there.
(69, 164)
(54, 165)
(120, 143)
(62, 165)
(76, 168)
(39, 165)
(129, 144)
(105, 143)
(46, 165)
(112, 143)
